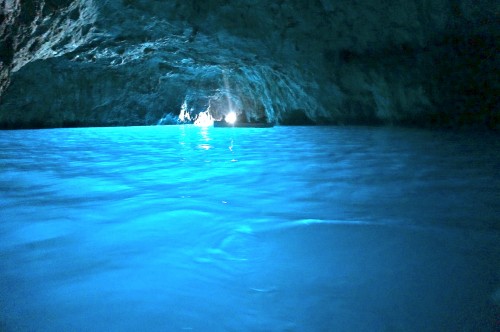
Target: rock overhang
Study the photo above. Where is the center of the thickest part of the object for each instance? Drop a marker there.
(323, 62)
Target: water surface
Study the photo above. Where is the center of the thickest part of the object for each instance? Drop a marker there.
(224, 229)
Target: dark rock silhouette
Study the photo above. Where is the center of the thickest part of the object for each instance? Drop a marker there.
(416, 62)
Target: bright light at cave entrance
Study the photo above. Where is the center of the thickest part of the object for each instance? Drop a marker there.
(230, 118)
(204, 119)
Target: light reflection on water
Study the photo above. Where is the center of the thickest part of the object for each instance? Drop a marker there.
(285, 228)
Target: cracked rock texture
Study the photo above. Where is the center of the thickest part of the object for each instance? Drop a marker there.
(140, 62)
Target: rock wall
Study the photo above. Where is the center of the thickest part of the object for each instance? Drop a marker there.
(135, 62)
(33, 30)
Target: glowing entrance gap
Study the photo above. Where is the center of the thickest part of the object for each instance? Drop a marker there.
(204, 119)
(230, 118)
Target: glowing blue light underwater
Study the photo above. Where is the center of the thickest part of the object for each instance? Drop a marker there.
(194, 228)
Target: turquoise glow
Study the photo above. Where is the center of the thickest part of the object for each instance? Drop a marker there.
(226, 229)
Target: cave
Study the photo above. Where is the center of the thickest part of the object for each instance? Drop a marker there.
(356, 187)
(123, 63)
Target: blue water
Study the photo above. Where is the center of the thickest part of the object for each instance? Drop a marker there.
(181, 228)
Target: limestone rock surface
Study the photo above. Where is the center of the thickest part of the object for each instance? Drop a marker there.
(143, 62)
